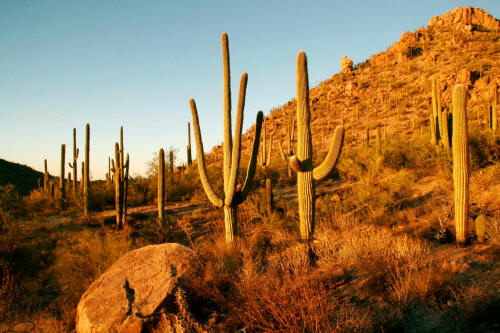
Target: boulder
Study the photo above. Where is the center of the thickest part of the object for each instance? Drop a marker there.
(137, 287)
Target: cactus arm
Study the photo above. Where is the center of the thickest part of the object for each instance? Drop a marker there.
(226, 108)
(295, 164)
(235, 164)
(324, 169)
(242, 195)
(200, 156)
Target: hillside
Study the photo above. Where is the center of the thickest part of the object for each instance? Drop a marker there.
(21, 176)
(392, 89)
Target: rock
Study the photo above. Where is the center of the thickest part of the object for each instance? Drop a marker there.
(139, 284)
(466, 19)
(346, 64)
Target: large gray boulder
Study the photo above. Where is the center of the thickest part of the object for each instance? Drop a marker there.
(138, 286)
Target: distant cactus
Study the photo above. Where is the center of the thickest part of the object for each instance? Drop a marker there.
(62, 193)
(436, 126)
(264, 160)
(45, 177)
(161, 184)
(460, 164)
(108, 175)
(86, 178)
(378, 141)
(480, 227)
(232, 150)
(171, 164)
(74, 165)
(120, 169)
(302, 162)
(367, 137)
(290, 132)
(189, 158)
(446, 130)
(493, 111)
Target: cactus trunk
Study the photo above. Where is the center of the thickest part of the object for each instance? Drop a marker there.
(161, 184)
(189, 158)
(269, 195)
(75, 164)
(45, 177)
(118, 188)
(86, 178)
(460, 164)
(62, 193)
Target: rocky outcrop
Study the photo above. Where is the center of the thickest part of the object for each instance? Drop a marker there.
(137, 287)
(346, 64)
(467, 19)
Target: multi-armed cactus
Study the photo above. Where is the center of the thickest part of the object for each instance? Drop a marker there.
(161, 184)
(74, 165)
(233, 196)
(45, 177)
(460, 164)
(302, 162)
(86, 178)
(119, 168)
(290, 132)
(62, 192)
(264, 160)
(189, 158)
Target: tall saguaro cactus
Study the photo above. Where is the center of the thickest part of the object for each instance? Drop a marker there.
(290, 131)
(189, 158)
(302, 162)
(62, 192)
(232, 150)
(171, 165)
(264, 160)
(74, 165)
(45, 177)
(120, 169)
(86, 178)
(161, 184)
(460, 164)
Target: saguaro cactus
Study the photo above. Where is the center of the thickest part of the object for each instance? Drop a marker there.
(446, 132)
(189, 158)
(378, 141)
(86, 178)
(460, 164)
(264, 160)
(480, 222)
(161, 184)
(74, 165)
(120, 169)
(493, 111)
(302, 162)
(232, 152)
(62, 192)
(45, 177)
(290, 132)
(108, 175)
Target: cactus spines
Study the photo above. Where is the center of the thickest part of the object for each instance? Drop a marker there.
(45, 177)
(161, 184)
(460, 164)
(232, 194)
(61, 178)
(302, 161)
(74, 164)
(189, 158)
(86, 178)
(480, 225)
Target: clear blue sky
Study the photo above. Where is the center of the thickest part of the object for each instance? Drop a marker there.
(136, 63)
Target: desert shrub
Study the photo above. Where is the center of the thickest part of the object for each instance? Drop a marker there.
(484, 148)
(11, 204)
(40, 202)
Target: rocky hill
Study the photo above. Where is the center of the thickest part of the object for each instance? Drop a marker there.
(21, 176)
(392, 89)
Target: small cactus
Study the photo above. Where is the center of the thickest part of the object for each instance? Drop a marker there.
(378, 141)
(493, 111)
(460, 164)
(480, 222)
(233, 196)
(45, 177)
(302, 161)
(445, 138)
